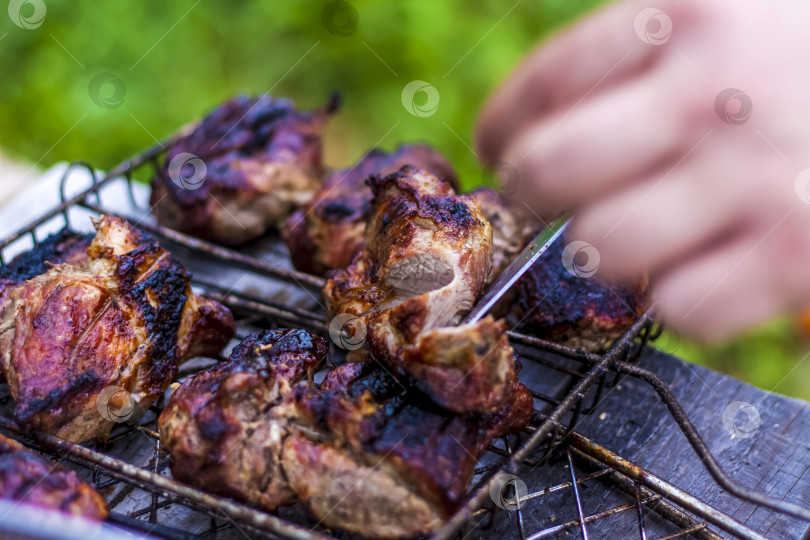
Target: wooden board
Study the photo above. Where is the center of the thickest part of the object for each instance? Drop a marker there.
(633, 422)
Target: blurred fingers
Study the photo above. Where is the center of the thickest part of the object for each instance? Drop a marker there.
(596, 53)
(579, 155)
(720, 293)
(658, 222)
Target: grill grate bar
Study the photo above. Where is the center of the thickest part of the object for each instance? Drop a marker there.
(661, 486)
(153, 483)
(220, 253)
(580, 513)
(589, 519)
(547, 433)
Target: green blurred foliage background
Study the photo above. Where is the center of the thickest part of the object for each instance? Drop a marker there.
(177, 60)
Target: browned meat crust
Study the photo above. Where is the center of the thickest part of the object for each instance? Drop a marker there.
(465, 368)
(427, 256)
(326, 233)
(63, 247)
(31, 479)
(557, 305)
(382, 462)
(513, 225)
(360, 452)
(263, 160)
(222, 427)
(125, 317)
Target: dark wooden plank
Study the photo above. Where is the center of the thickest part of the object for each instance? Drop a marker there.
(633, 422)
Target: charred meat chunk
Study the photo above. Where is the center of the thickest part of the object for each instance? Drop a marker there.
(224, 428)
(513, 226)
(559, 304)
(427, 256)
(377, 460)
(326, 233)
(360, 451)
(242, 171)
(125, 317)
(65, 246)
(31, 479)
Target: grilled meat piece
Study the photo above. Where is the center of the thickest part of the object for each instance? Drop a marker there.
(262, 161)
(65, 246)
(427, 256)
(126, 317)
(31, 479)
(326, 233)
(513, 225)
(373, 459)
(551, 302)
(464, 368)
(223, 428)
(420, 238)
(556, 304)
(360, 452)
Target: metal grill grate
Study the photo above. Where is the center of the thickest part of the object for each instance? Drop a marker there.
(141, 493)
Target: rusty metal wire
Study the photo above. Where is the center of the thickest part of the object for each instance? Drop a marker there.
(551, 436)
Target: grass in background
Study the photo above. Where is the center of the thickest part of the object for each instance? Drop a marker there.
(773, 356)
(177, 60)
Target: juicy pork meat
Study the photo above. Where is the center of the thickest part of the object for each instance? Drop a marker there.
(558, 305)
(513, 226)
(427, 256)
(224, 428)
(262, 160)
(359, 452)
(373, 459)
(124, 316)
(31, 479)
(326, 233)
(64, 247)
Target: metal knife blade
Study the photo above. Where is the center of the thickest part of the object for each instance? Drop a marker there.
(516, 269)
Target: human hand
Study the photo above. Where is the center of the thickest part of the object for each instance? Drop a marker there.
(632, 120)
